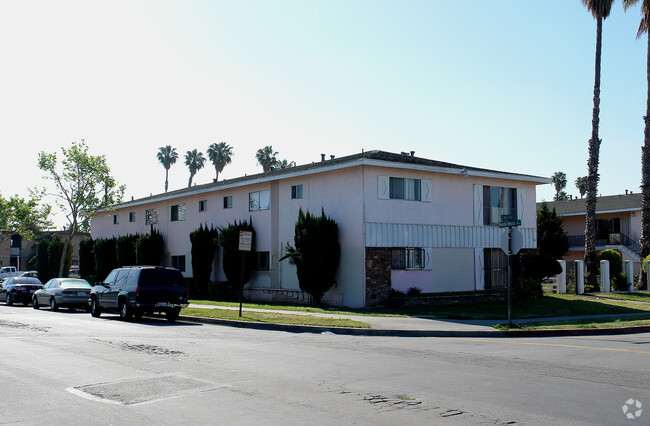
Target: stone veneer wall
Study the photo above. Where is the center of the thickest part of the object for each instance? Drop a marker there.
(378, 264)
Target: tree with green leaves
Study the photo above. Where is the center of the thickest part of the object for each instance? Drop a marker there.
(125, 246)
(581, 185)
(167, 157)
(285, 164)
(194, 160)
(105, 252)
(220, 154)
(204, 249)
(25, 216)
(559, 182)
(266, 158)
(552, 240)
(316, 253)
(84, 186)
(86, 258)
(645, 150)
(600, 10)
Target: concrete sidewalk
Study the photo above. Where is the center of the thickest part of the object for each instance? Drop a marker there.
(424, 326)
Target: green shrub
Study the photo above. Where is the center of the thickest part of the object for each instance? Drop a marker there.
(125, 246)
(617, 278)
(414, 291)
(228, 240)
(105, 256)
(149, 248)
(86, 258)
(316, 253)
(204, 249)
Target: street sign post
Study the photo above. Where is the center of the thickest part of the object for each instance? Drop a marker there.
(511, 242)
(245, 244)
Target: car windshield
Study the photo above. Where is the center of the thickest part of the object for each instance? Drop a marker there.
(25, 280)
(75, 284)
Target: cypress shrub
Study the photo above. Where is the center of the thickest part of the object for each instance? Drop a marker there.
(125, 246)
(204, 248)
(149, 248)
(86, 258)
(54, 253)
(105, 256)
(316, 253)
(228, 240)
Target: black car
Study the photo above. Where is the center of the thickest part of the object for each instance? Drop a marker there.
(138, 290)
(19, 289)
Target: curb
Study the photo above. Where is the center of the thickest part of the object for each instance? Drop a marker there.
(293, 328)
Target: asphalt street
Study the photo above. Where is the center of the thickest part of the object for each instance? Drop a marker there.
(69, 368)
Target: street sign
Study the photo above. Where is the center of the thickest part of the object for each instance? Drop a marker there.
(508, 217)
(516, 241)
(509, 223)
(245, 240)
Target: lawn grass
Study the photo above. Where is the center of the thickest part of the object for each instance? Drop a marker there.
(610, 322)
(272, 317)
(636, 297)
(550, 305)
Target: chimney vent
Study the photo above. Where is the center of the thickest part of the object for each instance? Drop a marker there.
(412, 153)
(322, 157)
(331, 157)
(626, 191)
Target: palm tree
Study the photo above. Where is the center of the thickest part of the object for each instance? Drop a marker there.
(581, 185)
(220, 154)
(194, 161)
(599, 10)
(167, 156)
(645, 150)
(559, 181)
(285, 164)
(266, 158)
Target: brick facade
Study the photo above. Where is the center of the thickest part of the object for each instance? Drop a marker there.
(378, 266)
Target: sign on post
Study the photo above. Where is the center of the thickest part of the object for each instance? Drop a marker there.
(245, 240)
(509, 221)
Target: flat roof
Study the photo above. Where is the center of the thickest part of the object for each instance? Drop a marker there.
(604, 204)
(375, 158)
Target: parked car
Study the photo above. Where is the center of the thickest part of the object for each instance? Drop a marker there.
(19, 289)
(32, 274)
(8, 271)
(74, 272)
(139, 290)
(63, 292)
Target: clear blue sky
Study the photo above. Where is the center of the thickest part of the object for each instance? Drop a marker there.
(503, 84)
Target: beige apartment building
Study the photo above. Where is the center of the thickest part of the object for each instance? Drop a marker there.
(17, 251)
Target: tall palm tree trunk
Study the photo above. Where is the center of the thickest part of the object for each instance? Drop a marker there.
(645, 176)
(591, 261)
(166, 179)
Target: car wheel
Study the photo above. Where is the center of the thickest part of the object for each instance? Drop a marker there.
(53, 305)
(8, 300)
(95, 309)
(35, 303)
(125, 311)
(172, 316)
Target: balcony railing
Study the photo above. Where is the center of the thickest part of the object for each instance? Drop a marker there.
(616, 239)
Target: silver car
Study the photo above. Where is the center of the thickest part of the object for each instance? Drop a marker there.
(63, 292)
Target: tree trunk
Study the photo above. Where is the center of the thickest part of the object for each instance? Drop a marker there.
(591, 261)
(166, 179)
(645, 176)
(67, 243)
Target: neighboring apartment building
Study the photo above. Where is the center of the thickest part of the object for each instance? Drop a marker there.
(403, 222)
(16, 250)
(618, 225)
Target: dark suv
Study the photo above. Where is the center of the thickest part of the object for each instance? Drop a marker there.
(138, 290)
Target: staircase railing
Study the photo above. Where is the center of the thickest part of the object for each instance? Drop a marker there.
(616, 239)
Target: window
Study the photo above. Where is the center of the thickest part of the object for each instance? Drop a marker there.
(131, 216)
(203, 205)
(260, 200)
(178, 212)
(496, 268)
(151, 216)
(262, 261)
(405, 189)
(296, 192)
(498, 201)
(227, 202)
(407, 259)
(116, 219)
(178, 262)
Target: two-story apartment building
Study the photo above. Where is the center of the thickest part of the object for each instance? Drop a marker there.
(403, 222)
(618, 225)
